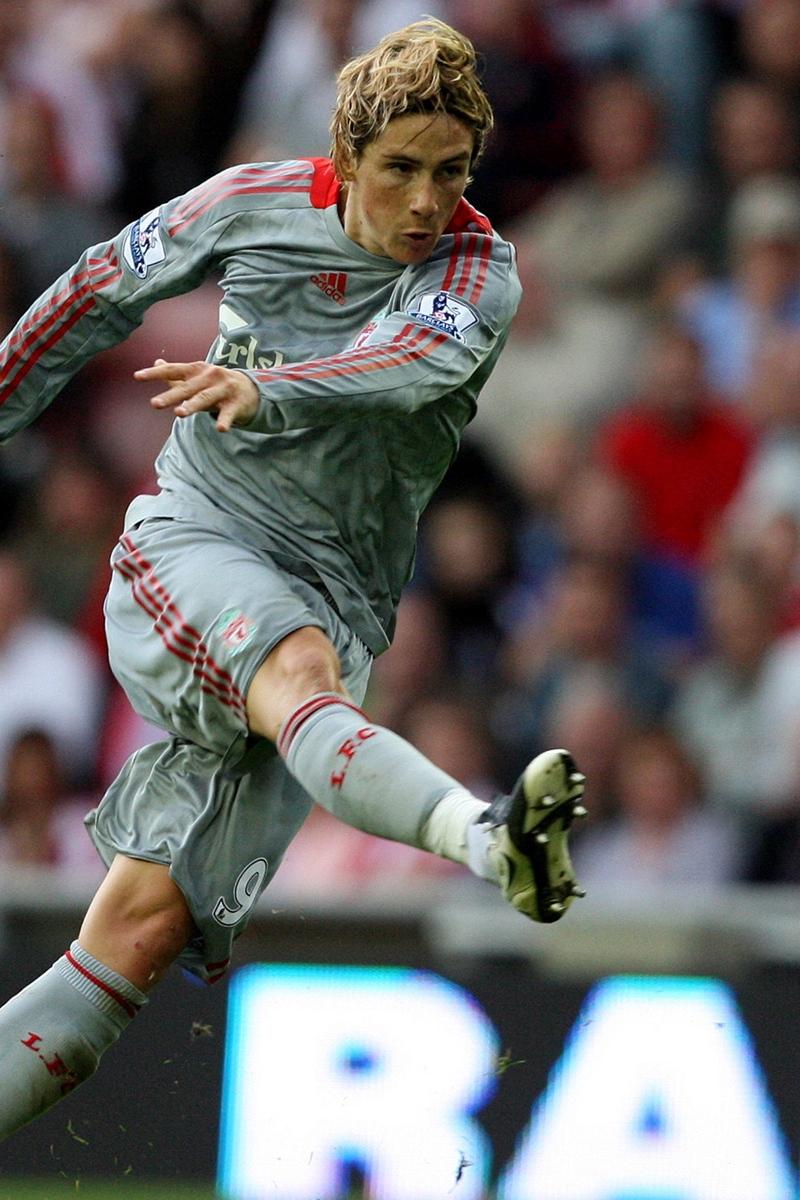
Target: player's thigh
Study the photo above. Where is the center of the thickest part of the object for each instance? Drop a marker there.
(190, 617)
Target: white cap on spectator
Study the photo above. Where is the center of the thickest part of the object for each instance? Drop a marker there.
(766, 209)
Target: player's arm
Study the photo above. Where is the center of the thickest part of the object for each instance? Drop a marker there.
(450, 318)
(454, 314)
(104, 297)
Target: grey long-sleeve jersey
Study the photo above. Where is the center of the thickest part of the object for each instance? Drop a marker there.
(367, 370)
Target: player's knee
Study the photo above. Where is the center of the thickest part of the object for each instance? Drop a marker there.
(303, 664)
(307, 662)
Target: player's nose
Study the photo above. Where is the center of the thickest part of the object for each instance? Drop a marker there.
(424, 202)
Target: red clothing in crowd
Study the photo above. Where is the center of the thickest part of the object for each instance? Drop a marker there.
(683, 478)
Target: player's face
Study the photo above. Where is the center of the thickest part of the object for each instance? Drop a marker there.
(402, 192)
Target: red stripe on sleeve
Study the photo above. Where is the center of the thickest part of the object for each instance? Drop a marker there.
(231, 179)
(483, 270)
(87, 306)
(356, 362)
(453, 261)
(25, 337)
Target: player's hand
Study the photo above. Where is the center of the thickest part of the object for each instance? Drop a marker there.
(203, 387)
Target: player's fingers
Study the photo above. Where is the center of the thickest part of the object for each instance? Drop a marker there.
(229, 412)
(169, 370)
(199, 379)
(178, 392)
(203, 399)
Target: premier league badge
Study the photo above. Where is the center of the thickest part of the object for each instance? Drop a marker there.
(144, 247)
(443, 312)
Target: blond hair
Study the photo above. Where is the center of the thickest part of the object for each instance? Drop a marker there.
(427, 67)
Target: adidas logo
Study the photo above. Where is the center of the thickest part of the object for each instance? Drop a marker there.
(332, 284)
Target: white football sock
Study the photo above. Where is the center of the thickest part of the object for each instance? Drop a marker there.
(53, 1033)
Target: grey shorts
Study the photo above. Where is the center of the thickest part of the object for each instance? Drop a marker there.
(190, 616)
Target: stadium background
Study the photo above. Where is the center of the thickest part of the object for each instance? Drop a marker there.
(612, 563)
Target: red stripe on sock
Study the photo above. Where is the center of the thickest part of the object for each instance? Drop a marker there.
(306, 710)
(127, 1006)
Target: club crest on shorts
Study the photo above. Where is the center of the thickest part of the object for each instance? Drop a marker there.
(443, 312)
(235, 629)
(144, 247)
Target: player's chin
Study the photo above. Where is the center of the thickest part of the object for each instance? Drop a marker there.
(413, 250)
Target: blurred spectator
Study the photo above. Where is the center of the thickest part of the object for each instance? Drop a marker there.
(49, 678)
(738, 709)
(770, 43)
(606, 233)
(761, 291)
(675, 48)
(544, 468)
(289, 96)
(681, 453)
(450, 730)
(583, 631)
(415, 662)
(594, 720)
(69, 528)
(40, 823)
(18, 467)
(753, 134)
(467, 564)
(594, 515)
(55, 42)
(771, 488)
(589, 256)
(328, 858)
(47, 228)
(175, 127)
(123, 732)
(10, 288)
(532, 88)
(661, 834)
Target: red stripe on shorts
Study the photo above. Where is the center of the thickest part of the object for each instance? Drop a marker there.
(178, 636)
(173, 640)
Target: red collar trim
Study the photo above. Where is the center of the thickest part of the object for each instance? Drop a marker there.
(325, 189)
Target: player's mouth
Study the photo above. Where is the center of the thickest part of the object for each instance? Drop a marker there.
(420, 237)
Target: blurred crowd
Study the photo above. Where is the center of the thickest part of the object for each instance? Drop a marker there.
(613, 562)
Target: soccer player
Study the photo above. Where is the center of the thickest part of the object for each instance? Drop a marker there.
(365, 303)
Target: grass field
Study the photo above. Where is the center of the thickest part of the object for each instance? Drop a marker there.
(116, 1189)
